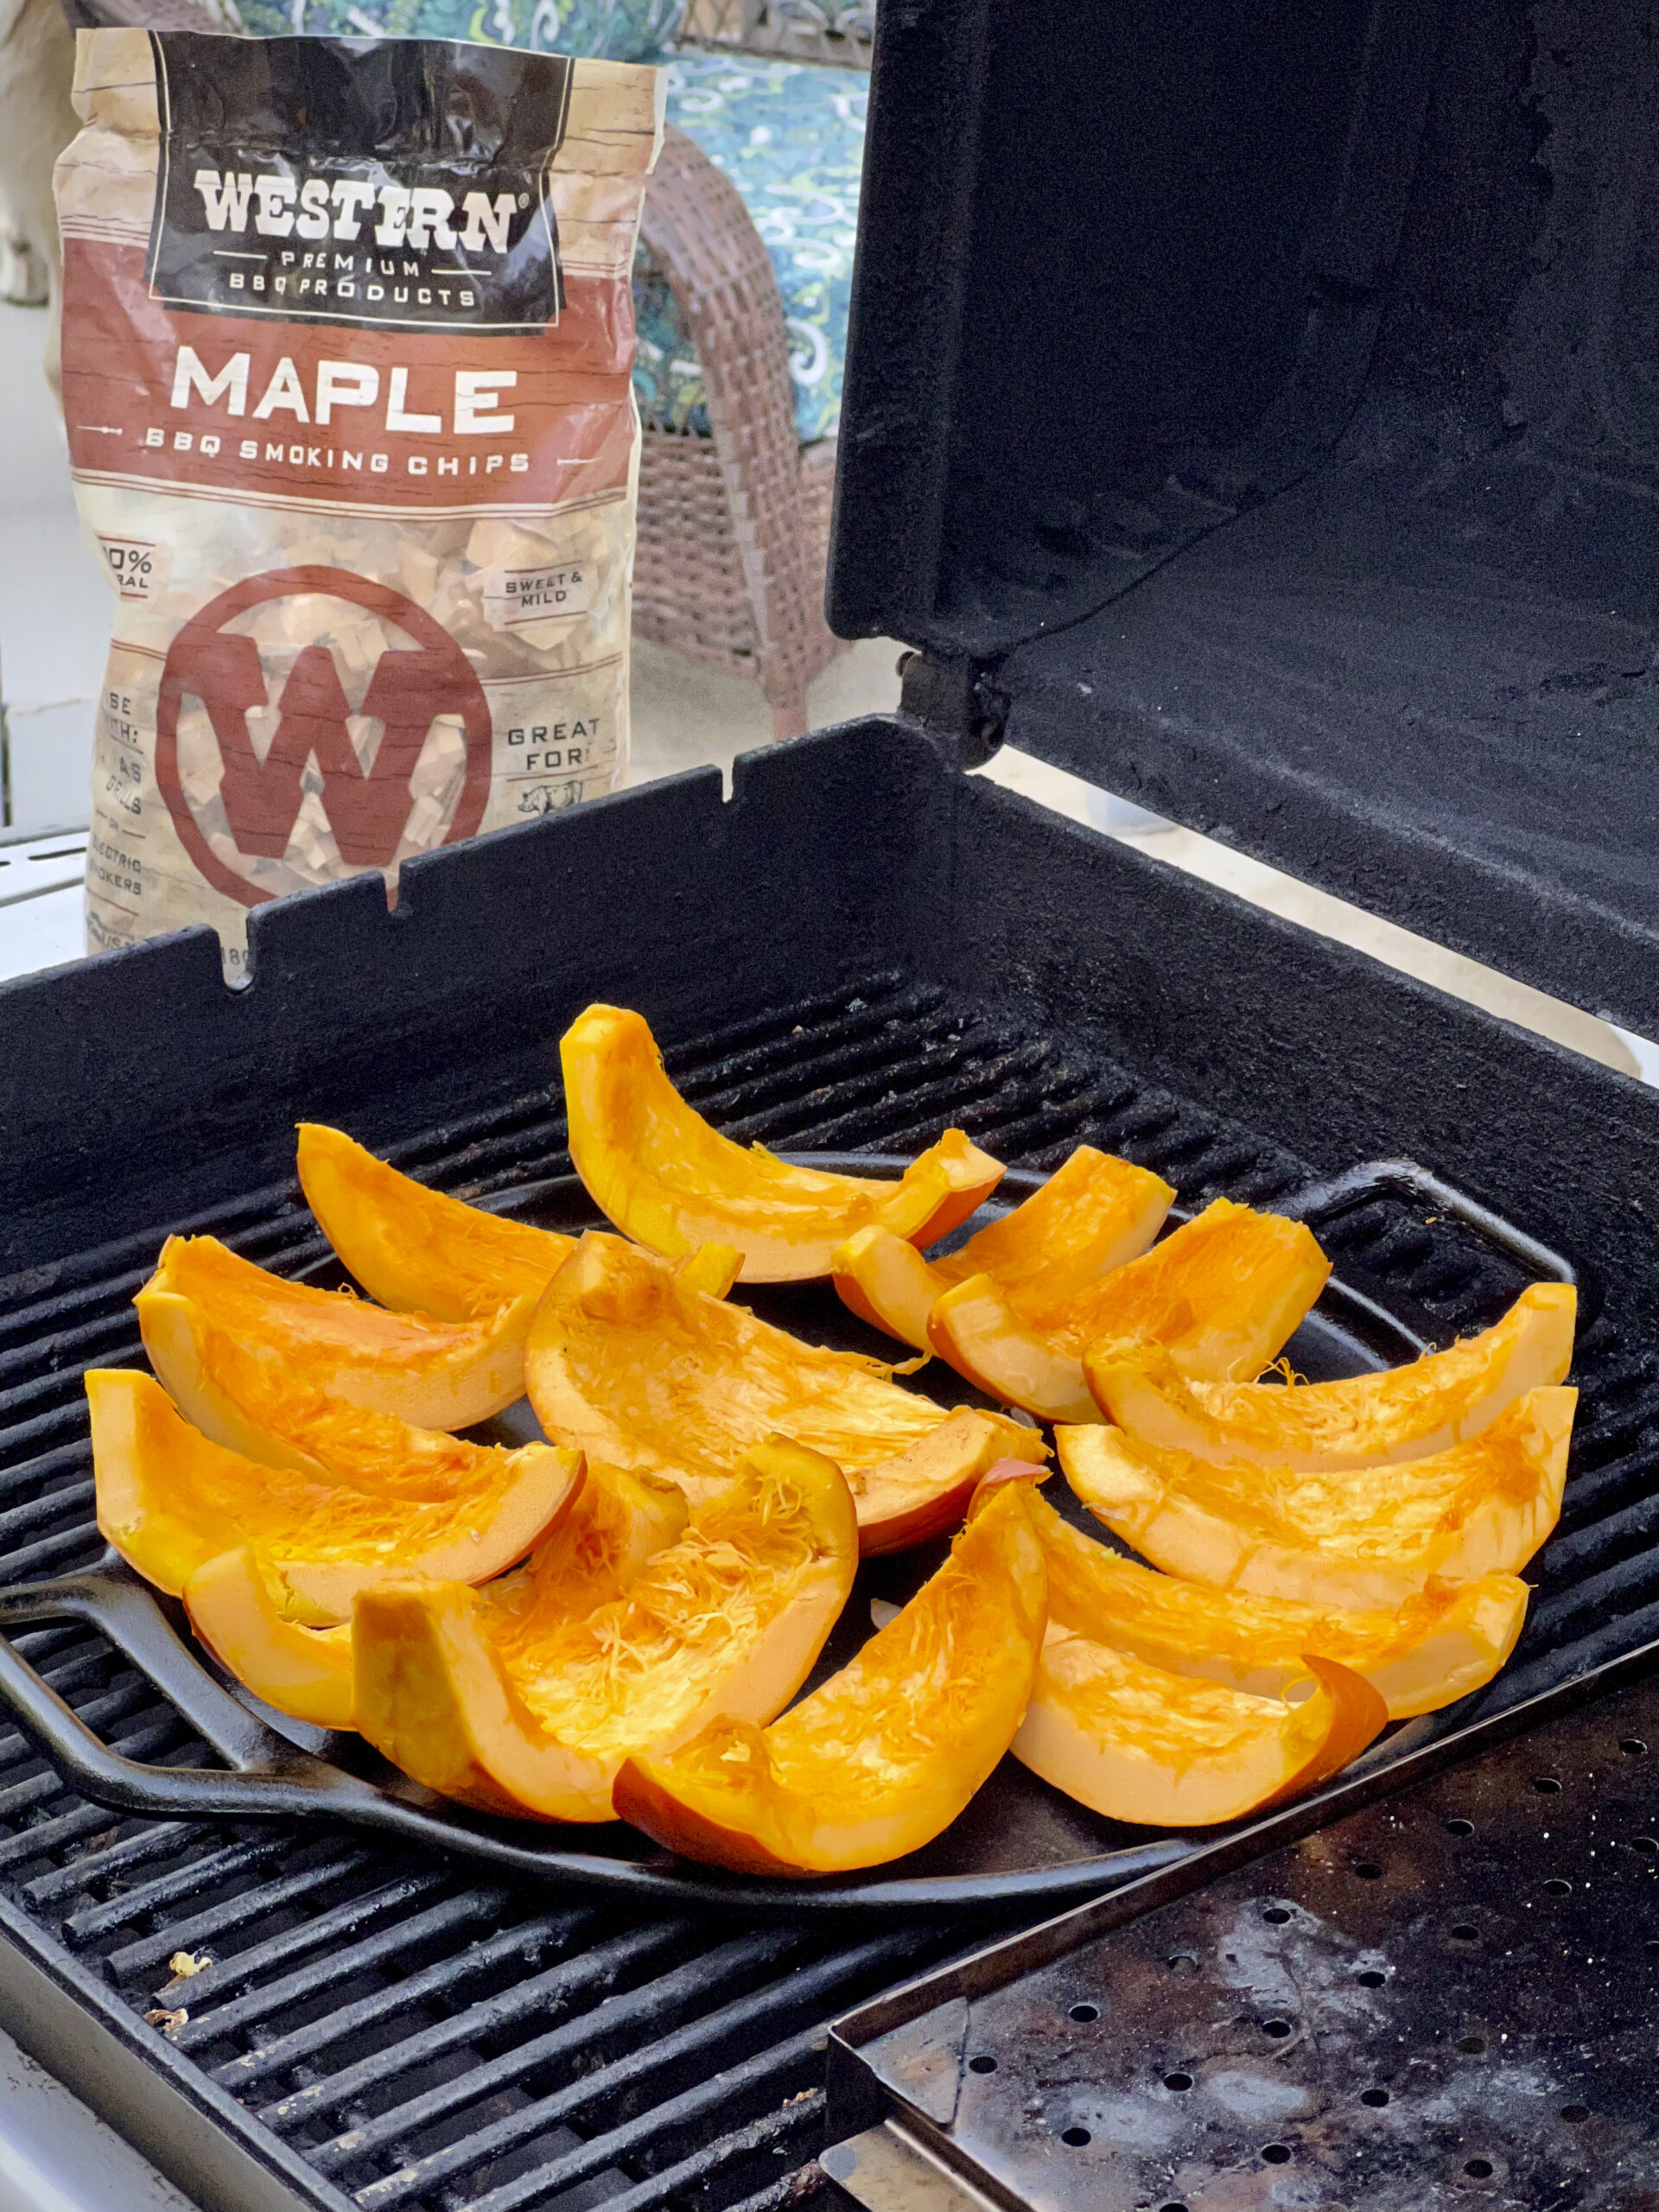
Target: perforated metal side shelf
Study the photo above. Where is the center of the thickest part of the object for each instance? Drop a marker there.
(1449, 2000)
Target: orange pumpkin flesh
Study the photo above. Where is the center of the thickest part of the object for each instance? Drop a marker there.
(536, 1715)
(434, 1374)
(1092, 1214)
(886, 1754)
(1446, 1640)
(235, 1605)
(1351, 1538)
(1222, 1295)
(415, 1249)
(238, 1602)
(630, 1362)
(1405, 1412)
(615, 1528)
(246, 1397)
(1137, 1743)
(655, 1167)
(169, 1500)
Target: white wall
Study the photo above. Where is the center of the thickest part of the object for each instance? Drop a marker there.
(54, 604)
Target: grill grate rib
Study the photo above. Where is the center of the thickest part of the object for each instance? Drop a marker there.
(429, 2042)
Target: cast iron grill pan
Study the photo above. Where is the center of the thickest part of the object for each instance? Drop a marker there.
(387, 2022)
(1018, 1840)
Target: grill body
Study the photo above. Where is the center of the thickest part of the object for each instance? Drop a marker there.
(861, 946)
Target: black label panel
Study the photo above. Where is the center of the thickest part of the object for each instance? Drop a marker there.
(397, 183)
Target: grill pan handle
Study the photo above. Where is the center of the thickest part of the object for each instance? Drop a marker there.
(269, 1778)
(114, 1602)
(1404, 1179)
(111, 1600)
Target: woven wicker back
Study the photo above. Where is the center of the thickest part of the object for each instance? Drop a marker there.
(802, 30)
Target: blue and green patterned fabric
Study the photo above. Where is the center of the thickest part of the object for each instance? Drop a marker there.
(791, 136)
(600, 30)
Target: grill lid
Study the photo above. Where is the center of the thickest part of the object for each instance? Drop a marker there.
(1252, 409)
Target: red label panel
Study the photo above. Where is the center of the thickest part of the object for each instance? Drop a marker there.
(234, 407)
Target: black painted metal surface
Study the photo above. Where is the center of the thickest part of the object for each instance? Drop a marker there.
(1259, 400)
(1450, 1999)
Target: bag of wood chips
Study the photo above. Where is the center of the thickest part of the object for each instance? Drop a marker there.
(348, 329)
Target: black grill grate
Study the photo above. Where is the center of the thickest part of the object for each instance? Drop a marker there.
(422, 2039)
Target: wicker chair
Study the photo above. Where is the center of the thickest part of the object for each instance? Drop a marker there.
(733, 524)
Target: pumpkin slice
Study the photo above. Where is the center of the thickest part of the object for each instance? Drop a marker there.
(536, 1715)
(1446, 1640)
(887, 1753)
(628, 1360)
(1091, 1215)
(432, 1373)
(1137, 1743)
(244, 1396)
(1353, 1538)
(1222, 1295)
(668, 1180)
(169, 1500)
(1404, 1413)
(413, 1248)
(235, 1603)
(239, 1603)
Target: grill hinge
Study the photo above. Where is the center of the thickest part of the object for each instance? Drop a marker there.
(957, 703)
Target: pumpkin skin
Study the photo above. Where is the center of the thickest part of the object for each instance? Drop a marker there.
(1137, 1743)
(1447, 1639)
(629, 1362)
(171, 1500)
(1404, 1413)
(1222, 1295)
(439, 1375)
(655, 1168)
(536, 1715)
(1092, 1214)
(416, 1249)
(616, 1524)
(1353, 1539)
(884, 1756)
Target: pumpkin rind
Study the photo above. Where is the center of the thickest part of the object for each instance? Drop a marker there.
(536, 1715)
(1402, 1413)
(1135, 1743)
(170, 1499)
(1349, 1538)
(1222, 1295)
(1093, 1214)
(668, 1180)
(435, 1375)
(1446, 1640)
(414, 1249)
(886, 1754)
(631, 1362)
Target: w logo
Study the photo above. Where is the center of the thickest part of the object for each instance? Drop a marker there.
(368, 809)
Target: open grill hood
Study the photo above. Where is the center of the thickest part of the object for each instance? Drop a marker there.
(1254, 410)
